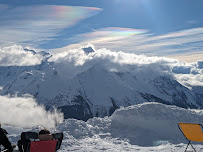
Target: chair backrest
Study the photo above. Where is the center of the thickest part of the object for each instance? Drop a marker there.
(192, 132)
(43, 146)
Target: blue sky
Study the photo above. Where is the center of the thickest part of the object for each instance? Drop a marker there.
(152, 27)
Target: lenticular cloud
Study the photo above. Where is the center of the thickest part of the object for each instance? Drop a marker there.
(25, 112)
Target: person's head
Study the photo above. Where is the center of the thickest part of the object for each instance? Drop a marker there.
(44, 134)
(44, 131)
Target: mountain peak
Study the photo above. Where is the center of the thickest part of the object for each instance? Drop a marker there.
(28, 50)
(88, 49)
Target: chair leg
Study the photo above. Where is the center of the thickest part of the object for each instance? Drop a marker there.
(189, 143)
(187, 146)
(192, 147)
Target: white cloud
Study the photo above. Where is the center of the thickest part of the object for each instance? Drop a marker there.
(25, 112)
(73, 62)
(17, 56)
(190, 80)
(79, 57)
(190, 75)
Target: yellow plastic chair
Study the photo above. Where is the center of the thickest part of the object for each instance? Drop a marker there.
(192, 132)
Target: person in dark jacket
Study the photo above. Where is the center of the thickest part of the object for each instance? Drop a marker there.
(23, 143)
(4, 140)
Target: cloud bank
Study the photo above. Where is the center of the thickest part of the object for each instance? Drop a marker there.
(17, 56)
(76, 61)
(26, 113)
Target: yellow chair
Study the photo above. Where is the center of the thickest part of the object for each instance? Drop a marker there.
(192, 132)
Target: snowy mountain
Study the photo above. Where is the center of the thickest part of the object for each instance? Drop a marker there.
(84, 84)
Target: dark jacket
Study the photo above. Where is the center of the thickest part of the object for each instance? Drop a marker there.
(4, 140)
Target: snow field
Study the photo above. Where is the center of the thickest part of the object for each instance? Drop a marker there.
(144, 127)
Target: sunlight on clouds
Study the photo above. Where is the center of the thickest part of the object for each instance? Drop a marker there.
(39, 23)
(106, 38)
(181, 43)
(116, 32)
(189, 57)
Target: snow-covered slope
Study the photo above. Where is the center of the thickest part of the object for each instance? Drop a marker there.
(144, 127)
(96, 83)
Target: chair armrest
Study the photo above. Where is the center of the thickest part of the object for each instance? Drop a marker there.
(29, 135)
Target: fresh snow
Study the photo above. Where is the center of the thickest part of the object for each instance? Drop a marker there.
(144, 127)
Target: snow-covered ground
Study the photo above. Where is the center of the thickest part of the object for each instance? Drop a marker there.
(144, 127)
